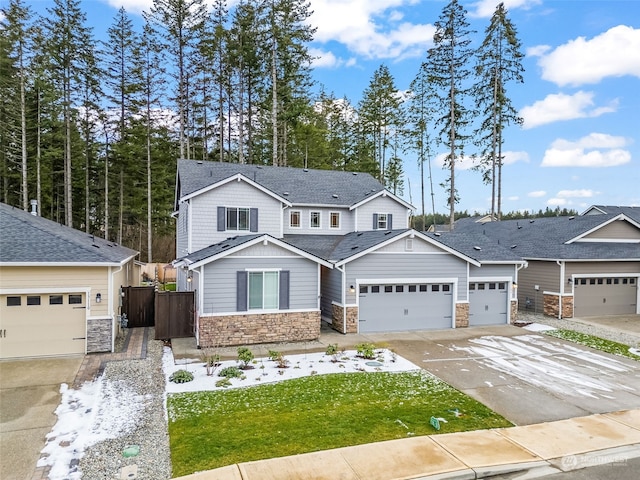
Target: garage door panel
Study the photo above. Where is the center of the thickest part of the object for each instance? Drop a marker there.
(605, 296)
(46, 329)
(488, 303)
(405, 307)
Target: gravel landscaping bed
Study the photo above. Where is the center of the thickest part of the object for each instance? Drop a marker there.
(148, 430)
(589, 329)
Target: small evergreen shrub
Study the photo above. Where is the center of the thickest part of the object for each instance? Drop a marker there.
(366, 350)
(230, 372)
(181, 376)
(245, 356)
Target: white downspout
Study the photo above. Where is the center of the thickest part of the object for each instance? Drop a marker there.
(514, 290)
(343, 299)
(110, 290)
(561, 264)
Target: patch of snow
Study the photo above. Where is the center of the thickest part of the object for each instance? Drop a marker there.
(538, 327)
(98, 411)
(267, 371)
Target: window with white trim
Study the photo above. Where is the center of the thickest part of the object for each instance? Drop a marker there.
(263, 290)
(382, 221)
(334, 220)
(237, 219)
(314, 219)
(294, 219)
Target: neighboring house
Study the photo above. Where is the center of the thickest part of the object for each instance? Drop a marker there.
(577, 266)
(273, 251)
(59, 287)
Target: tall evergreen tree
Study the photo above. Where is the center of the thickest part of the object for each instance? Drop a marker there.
(448, 62)
(16, 49)
(381, 115)
(70, 46)
(419, 114)
(499, 61)
(181, 23)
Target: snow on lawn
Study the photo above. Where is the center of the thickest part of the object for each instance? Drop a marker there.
(98, 411)
(538, 327)
(264, 370)
(562, 369)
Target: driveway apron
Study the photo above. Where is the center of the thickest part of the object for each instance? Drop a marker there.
(527, 377)
(29, 395)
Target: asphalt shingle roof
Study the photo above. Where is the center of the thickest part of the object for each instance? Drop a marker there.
(545, 238)
(217, 248)
(26, 238)
(299, 186)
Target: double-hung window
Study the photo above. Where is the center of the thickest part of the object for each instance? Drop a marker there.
(263, 290)
(382, 221)
(294, 219)
(334, 220)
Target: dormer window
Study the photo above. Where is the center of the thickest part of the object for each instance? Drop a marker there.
(334, 220)
(237, 219)
(314, 219)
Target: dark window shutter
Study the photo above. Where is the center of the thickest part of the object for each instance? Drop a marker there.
(241, 294)
(375, 221)
(222, 219)
(284, 290)
(253, 220)
(389, 222)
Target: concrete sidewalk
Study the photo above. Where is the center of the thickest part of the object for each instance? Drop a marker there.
(540, 449)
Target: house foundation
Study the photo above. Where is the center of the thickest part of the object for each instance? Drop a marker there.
(251, 329)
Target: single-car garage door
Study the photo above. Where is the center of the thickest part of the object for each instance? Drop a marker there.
(36, 325)
(397, 307)
(488, 303)
(605, 296)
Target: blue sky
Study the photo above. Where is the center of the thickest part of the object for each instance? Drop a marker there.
(580, 142)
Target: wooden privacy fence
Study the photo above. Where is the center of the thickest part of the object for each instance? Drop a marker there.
(174, 314)
(171, 313)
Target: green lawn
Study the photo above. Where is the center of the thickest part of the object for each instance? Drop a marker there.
(212, 429)
(592, 341)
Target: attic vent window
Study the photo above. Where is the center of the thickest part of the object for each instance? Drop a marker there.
(476, 247)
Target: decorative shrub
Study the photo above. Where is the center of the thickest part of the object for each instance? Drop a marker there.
(366, 350)
(181, 376)
(230, 372)
(332, 349)
(245, 356)
(274, 355)
(223, 382)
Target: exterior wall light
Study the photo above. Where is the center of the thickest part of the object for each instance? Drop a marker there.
(352, 289)
(98, 298)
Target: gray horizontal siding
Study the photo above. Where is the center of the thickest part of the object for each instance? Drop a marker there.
(382, 205)
(220, 282)
(544, 274)
(204, 213)
(330, 289)
(492, 271)
(406, 266)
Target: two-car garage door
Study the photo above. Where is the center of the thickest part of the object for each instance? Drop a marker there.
(42, 324)
(396, 307)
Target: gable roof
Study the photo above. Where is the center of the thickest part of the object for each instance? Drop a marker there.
(297, 186)
(631, 212)
(240, 242)
(27, 239)
(549, 237)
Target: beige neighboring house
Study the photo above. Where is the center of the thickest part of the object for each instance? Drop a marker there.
(60, 288)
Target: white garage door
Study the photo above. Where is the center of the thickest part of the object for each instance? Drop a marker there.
(37, 325)
(398, 307)
(488, 303)
(605, 296)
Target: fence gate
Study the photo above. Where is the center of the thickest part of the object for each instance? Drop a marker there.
(138, 304)
(174, 314)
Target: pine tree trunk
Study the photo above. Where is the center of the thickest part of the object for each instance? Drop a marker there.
(106, 183)
(23, 131)
(274, 103)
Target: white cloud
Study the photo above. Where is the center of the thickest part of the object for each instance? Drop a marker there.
(558, 107)
(513, 199)
(594, 150)
(355, 25)
(537, 50)
(614, 53)
(512, 157)
(557, 202)
(486, 8)
(584, 193)
(322, 59)
(537, 194)
(132, 6)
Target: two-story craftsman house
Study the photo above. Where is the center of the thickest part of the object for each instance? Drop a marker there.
(273, 251)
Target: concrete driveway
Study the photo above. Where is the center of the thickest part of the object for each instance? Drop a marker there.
(29, 395)
(525, 376)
